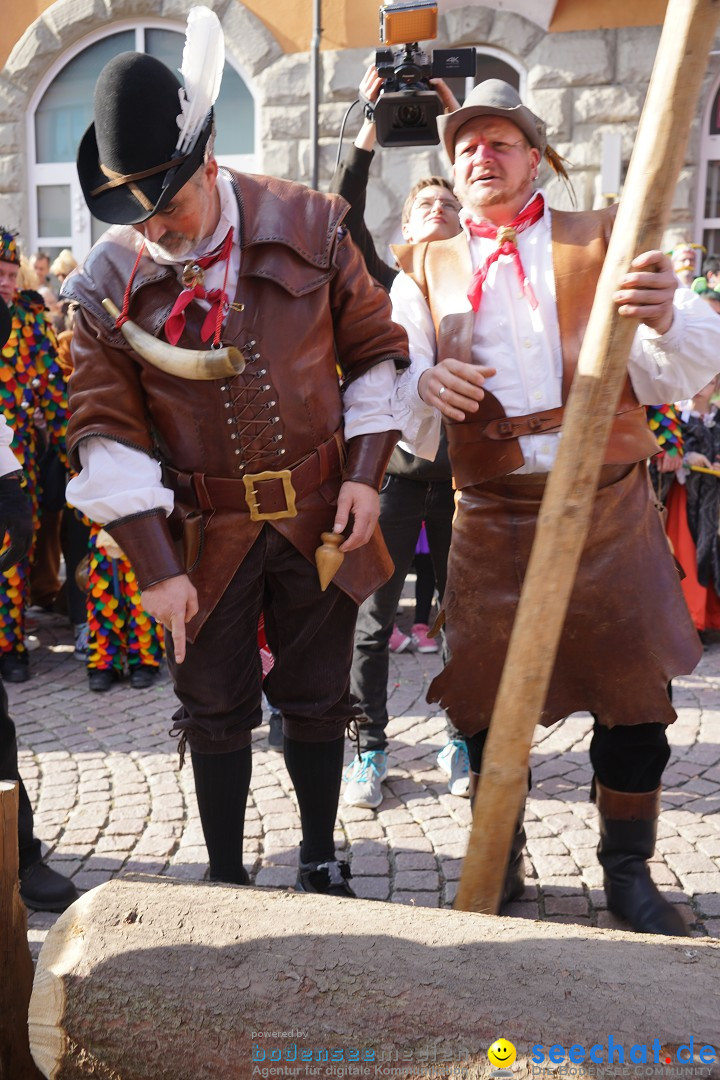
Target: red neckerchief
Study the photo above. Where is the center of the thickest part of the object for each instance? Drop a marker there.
(217, 298)
(505, 236)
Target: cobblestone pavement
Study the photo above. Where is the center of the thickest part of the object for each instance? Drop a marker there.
(102, 775)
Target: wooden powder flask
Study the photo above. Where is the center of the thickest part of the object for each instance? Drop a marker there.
(328, 557)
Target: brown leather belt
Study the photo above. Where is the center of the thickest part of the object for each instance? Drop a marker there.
(506, 427)
(533, 484)
(267, 495)
(513, 427)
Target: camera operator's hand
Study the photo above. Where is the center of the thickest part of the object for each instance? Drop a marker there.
(449, 101)
(16, 519)
(370, 87)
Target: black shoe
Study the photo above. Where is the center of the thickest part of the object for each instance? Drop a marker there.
(142, 676)
(242, 877)
(45, 890)
(514, 884)
(14, 667)
(275, 734)
(628, 826)
(330, 878)
(632, 895)
(101, 679)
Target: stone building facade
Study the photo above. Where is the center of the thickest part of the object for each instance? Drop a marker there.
(585, 84)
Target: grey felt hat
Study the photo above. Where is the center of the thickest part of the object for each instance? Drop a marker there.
(493, 98)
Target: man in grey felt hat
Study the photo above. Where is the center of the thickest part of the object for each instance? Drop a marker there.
(495, 319)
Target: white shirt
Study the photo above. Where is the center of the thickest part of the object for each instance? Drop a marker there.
(523, 345)
(116, 480)
(8, 462)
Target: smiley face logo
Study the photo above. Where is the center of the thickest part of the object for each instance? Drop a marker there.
(502, 1053)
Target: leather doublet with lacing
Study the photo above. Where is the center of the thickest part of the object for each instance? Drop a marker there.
(305, 311)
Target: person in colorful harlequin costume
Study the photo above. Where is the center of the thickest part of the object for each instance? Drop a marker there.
(120, 631)
(32, 391)
(664, 422)
(41, 887)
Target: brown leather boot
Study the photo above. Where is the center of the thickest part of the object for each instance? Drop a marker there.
(628, 827)
(514, 885)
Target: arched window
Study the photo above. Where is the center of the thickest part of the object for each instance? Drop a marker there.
(490, 63)
(59, 217)
(708, 202)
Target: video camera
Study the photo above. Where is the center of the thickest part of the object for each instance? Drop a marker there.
(407, 109)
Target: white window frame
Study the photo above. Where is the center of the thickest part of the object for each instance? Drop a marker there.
(65, 172)
(709, 151)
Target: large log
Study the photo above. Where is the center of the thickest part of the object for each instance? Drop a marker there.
(15, 960)
(148, 978)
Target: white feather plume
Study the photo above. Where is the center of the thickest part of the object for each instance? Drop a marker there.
(202, 68)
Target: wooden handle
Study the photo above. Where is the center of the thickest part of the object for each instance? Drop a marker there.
(679, 69)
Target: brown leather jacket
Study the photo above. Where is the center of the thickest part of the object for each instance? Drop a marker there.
(485, 445)
(309, 310)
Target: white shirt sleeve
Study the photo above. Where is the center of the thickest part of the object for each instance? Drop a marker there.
(367, 405)
(8, 462)
(419, 423)
(115, 481)
(675, 365)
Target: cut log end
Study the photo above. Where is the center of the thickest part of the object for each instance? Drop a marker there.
(62, 953)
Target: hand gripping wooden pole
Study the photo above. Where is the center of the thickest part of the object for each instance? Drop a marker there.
(659, 151)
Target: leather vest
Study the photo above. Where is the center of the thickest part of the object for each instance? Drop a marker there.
(485, 445)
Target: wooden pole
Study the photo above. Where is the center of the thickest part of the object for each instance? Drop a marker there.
(15, 961)
(659, 151)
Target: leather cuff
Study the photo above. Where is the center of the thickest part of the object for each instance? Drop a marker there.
(368, 457)
(145, 538)
(627, 806)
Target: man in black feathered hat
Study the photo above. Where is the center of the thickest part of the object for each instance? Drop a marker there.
(218, 489)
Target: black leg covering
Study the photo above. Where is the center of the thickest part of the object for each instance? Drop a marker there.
(630, 759)
(628, 825)
(222, 782)
(28, 844)
(315, 769)
(514, 885)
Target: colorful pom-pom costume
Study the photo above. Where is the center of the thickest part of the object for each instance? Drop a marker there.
(120, 631)
(32, 394)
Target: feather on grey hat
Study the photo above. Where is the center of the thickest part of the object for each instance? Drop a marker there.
(493, 98)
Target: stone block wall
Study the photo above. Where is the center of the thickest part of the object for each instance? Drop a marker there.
(583, 84)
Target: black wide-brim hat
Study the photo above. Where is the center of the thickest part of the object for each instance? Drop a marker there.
(127, 163)
(5, 322)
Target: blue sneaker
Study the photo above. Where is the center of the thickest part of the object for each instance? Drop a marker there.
(364, 776)
(454, 762)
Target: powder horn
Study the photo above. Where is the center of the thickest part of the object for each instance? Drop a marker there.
(185, 363)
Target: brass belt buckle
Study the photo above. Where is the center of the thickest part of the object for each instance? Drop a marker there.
(252, 500)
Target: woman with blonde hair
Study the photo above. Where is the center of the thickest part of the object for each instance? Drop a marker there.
(63, 265)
